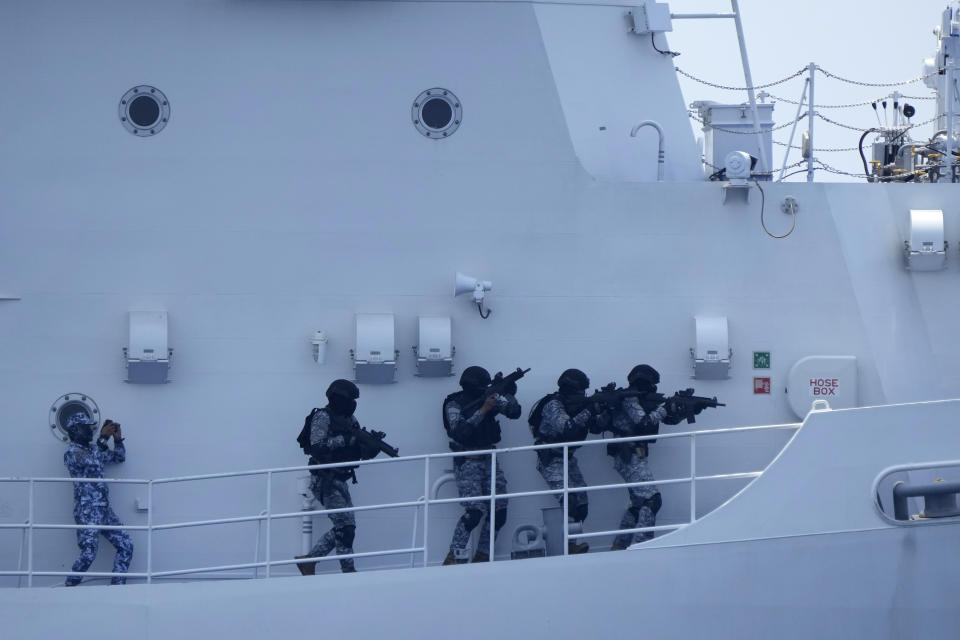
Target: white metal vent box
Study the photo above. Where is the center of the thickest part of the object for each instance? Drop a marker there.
(830, 378)
(147, 356)
(711, 356)
(926, 250)
(435, 348)
(375, 357)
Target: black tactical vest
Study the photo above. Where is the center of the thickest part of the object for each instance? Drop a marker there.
(482, 436)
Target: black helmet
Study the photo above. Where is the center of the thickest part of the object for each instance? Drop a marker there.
(344, 389)
(573, 380)
(474, 379)
(643, 375)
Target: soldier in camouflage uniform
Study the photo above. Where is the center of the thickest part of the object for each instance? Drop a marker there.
(91, 501)
(330, 441)
(469, 429)
(565, 416)
(637, 416)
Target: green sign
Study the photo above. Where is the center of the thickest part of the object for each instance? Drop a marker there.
(761, 359)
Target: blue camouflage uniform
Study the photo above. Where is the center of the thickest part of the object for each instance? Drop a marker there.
(91, 503)
(556, 425)
(630, 461)
(329, 486)
(468, 432)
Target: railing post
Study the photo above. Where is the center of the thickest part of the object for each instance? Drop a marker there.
(426, 508)
(491, 516)
(813, 116)
(150, 532)
(266, 551)
(693, 479)
(566, 501)
(30, 519)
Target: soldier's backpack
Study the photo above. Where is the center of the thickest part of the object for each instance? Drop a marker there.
(535, 417)
(304, 438)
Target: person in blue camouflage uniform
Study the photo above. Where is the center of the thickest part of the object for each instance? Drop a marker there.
(330, 441)
(637, 416)
(565, 416)
(470, 429)
(91, 500)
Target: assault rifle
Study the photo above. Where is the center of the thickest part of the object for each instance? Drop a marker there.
(373, 440)
(499, 385)
(684, 405)
(611, 396)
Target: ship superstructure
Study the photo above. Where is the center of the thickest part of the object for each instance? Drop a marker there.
(210, 214)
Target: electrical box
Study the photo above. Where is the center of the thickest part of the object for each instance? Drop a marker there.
(926, 250)
(375, 356)
(711, 356)
(728, 128)
(651, 17)
(434, 349)
(148, 356)
(830, 378)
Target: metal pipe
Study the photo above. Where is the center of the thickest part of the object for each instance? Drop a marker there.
(565, 521)
(796, 120)
(150, 532)
(950, 79)
(811, 116)
(902, 491)
(749, 79)
(617, 532)
(266, 547)
(693, 478)
(701, 16)
(660, 158)
(30, 517)
(491, 517)
(426, 508)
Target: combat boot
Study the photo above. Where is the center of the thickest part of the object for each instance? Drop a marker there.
(618, 547)
(481, 556)
(306, 568)
(573, 548)
(349, 570)
(449, 559)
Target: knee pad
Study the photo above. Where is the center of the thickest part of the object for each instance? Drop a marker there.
(654, 503)
(579, 513)
(471, 518)
(499, 519)
(345, 535)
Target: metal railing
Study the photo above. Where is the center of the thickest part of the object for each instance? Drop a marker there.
(267, 517)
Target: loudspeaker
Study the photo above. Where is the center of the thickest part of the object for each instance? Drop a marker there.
(466, 284)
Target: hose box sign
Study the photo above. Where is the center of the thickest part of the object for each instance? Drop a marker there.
(830, 378)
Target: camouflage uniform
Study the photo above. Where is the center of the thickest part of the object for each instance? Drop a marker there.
(91, 505)
(630, 461)
(556, 425)
(473, 432)
(330, 488)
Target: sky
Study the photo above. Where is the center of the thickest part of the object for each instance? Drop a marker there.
(870, 41)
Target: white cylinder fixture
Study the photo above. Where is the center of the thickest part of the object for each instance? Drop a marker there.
(319, 343)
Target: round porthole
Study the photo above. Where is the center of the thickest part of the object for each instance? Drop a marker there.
(67, 406)
(436, 113)
(144, 110)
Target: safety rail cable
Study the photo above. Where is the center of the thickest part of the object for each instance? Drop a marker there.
(423, 502)
(800, 72)
(850, 105)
